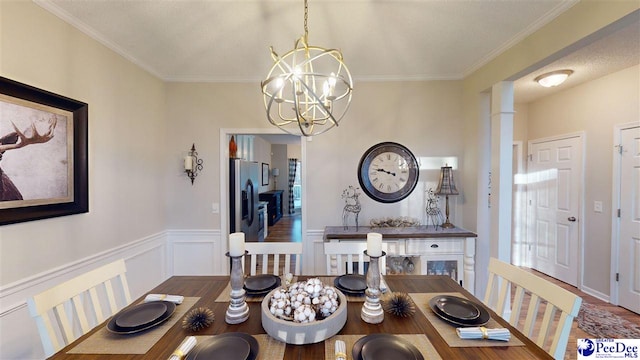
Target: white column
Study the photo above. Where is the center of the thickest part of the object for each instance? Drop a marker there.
(501, 169)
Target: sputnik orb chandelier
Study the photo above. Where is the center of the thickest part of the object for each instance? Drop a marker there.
(308, 89)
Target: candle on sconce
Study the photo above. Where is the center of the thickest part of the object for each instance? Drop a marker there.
(236, 244)
(374, 244)
(188, 162)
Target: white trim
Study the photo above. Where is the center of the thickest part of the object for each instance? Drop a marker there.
(615, 205)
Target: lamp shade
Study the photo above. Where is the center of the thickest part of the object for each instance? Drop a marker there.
(446, 186)
(275, 172)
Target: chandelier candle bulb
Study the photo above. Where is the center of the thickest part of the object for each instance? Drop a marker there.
(236, 244)
(374, 244)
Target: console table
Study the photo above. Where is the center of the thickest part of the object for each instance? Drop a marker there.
(429, 250)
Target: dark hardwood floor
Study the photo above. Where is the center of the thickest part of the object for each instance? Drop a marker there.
(287, 229)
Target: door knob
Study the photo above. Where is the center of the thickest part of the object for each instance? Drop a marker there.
(572, 219)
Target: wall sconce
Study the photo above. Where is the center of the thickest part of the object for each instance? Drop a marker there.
(275, 172)
(192, 165)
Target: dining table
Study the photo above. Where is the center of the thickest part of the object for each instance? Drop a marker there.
(429, 333)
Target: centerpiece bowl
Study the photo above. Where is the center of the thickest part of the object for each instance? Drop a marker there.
(297, 333)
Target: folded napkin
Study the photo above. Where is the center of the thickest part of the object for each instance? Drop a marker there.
(341, 350)
(177, 299)
(181, 352)
(484, 333)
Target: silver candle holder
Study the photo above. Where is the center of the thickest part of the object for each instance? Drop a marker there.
(372, 311)
(238, 310)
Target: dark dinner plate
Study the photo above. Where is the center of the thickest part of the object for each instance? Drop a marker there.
(254, 347)
(459, 311)
(349, 292)
(144, 308)
(141, 315)
(261, 284)
(352, 282)
(228, 348)
(385, 346)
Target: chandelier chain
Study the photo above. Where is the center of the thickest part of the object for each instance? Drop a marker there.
(306, 15)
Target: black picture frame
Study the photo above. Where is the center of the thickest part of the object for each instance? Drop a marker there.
(265, 174)
(22, 96)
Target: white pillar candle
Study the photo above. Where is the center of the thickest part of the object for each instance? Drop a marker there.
(374, 244)
(236, 244)
(188, 163)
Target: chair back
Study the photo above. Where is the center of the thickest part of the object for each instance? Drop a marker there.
(560, 306)
(341, 257)
(264, 254)
(69, 310)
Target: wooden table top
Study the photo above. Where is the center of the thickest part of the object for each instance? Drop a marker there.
(209, 287)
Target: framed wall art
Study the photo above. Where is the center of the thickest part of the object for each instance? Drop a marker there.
(43, 154)
(265, 174)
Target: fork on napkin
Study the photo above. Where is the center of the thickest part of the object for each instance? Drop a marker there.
(482, 332)
(181, 352)
(177, 299)
(341, 350)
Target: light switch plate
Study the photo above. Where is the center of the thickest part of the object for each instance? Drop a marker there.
(597, 206)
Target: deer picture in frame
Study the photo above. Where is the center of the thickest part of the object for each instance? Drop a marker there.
(43, 154)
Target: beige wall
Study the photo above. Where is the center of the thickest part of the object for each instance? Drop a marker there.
(593, 108)
(127, 152)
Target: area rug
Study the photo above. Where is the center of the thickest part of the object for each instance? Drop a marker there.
(603, 324)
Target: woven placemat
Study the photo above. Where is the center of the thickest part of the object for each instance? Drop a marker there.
(420, 341)
(448, 332)
(270, 348)
(105, 342)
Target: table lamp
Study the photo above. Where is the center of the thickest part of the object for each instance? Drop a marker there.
(446, 187)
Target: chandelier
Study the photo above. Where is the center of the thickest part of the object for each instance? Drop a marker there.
(308, 89)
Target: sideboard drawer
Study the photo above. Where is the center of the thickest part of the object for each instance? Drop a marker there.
(435, 246)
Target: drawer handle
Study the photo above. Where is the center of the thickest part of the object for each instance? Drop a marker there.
(435, 246)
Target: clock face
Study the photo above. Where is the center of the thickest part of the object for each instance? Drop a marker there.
(388, 172)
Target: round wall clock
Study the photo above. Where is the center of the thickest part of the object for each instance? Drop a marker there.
(388, 172)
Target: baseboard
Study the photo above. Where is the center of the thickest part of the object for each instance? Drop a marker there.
(595, 293)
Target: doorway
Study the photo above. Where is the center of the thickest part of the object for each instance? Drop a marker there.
(554, 198)
(274, 136)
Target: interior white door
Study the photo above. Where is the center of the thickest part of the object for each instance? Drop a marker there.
(629, 240)
(554, 188)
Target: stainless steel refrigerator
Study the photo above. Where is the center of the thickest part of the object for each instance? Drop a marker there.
(244, 183)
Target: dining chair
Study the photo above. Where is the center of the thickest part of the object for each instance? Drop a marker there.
(504, 278)
(68, 310)
(263, 254)
(342, 256)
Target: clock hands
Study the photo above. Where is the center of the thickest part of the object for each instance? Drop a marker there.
(385, 171)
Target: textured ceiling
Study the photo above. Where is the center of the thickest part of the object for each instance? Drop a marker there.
(228, 40)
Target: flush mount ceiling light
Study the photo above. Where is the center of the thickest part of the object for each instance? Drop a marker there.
(553, 78)
(308, 89)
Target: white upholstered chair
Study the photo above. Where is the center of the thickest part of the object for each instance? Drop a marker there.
(263, 254)
(72, 308)
(341, 257)
(560, 305)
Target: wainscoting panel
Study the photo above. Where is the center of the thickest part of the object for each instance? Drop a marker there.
(197, 252)
(146, 261)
